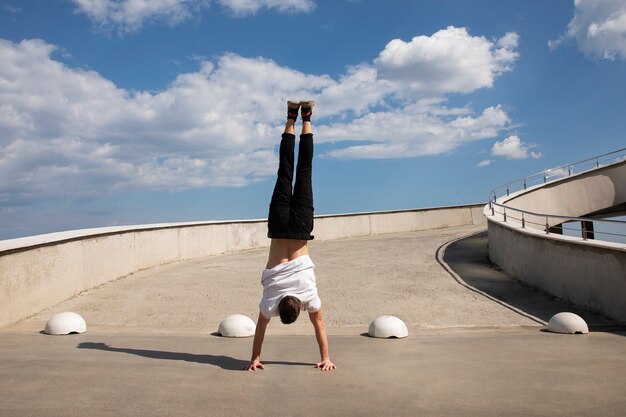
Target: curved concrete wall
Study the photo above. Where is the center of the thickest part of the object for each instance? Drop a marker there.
(40, 271)
(574, 196)
(591, 273)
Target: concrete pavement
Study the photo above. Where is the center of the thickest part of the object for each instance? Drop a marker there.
(358, 279)
(468, 260)
(149, 348)
(512, 372)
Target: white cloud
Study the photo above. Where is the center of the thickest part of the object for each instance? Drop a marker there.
(599, 28)
(246, 7)
(127, 16)
(557, 173)
(451, 60)
(485, 163)
(66, 131)
(130, 15)
(554, 43)
(11, 9)
(358, 90)
(413, 130)
(514, 148)
(70, 132)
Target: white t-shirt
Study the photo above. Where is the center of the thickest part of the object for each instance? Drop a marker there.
(295, 278)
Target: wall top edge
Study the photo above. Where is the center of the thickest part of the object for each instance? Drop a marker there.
(31, 242)
(365, 213)
(561, 238)
(557, 181)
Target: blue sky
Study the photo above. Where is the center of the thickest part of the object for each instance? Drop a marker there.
(117, 112)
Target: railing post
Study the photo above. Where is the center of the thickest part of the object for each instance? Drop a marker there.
(507, 190)
(584, 229)
(523, 222)
(547, 227)
(544, 177)
(569, 170)
(524, 183)
(597, 163)
(505, 214)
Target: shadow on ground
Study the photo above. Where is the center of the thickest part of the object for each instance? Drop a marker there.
(224, 362)
(469, 258)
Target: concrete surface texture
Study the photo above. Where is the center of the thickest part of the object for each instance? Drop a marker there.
(40, 271)
(583, 274)
(568, 323)
(387, 326)
(574, 196)
(517, 372)
(586, 272)
(358, 280)
(467, 261)
(236, 325)
(150, 350)
(65, 323)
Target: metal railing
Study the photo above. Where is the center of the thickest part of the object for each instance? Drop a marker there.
(586, 229)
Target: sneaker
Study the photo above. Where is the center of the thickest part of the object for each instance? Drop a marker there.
(307, 109)
(292, 109)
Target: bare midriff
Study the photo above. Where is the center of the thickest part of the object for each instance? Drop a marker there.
(285, 250)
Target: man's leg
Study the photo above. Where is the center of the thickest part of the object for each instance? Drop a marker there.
(301, 220)
(278, 218)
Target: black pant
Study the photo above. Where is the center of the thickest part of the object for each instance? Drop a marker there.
(291, 211)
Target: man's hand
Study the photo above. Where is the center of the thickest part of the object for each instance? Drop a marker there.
(326, 365)
(254, 365)
(322, 341)
(259, 334)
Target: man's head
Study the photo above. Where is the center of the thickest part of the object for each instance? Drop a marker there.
(289, 309)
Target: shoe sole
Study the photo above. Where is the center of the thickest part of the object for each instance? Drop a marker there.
(293, 105)
(307, 104)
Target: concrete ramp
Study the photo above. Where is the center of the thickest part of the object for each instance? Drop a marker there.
(358, 279)
(587, 272)
(150, 351)
(576, 196)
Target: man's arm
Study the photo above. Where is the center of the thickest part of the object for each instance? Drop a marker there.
(322, 341)
(259, 335)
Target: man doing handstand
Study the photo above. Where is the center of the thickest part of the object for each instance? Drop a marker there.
(288, 279)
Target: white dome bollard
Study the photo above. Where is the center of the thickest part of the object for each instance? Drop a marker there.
(236, 325)
(569, 323)
(65, 323)
(388, 326)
